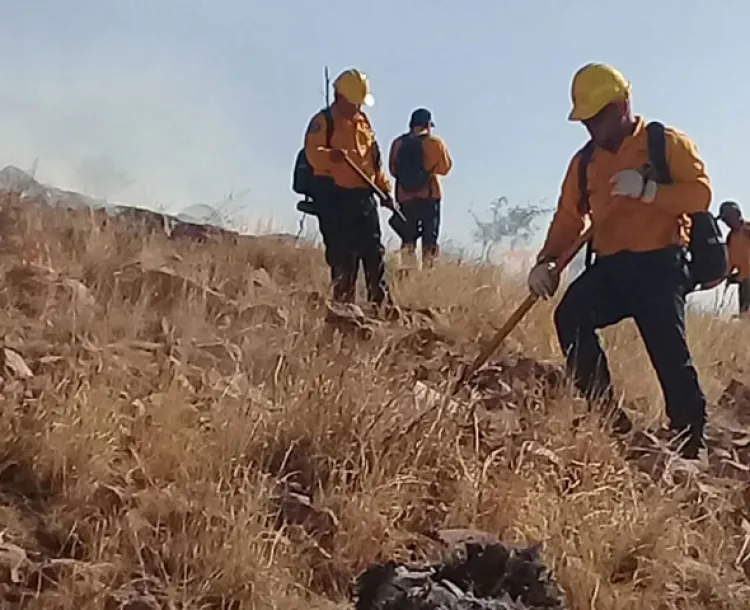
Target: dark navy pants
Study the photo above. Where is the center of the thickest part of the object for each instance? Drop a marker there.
(349, 222)
(650, 288)
(422, 221)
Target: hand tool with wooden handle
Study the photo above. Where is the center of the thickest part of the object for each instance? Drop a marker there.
(499, 337)
(518, 315)
(378, 191)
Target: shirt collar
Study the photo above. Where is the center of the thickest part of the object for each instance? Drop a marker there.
(640, 125)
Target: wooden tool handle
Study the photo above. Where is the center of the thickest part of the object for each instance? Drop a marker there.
(518, 314)
(378, 191)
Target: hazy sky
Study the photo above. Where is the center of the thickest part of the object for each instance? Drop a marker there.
(167, 102)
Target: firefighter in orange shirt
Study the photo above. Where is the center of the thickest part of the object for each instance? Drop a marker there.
(416, 160)
(738, 244)
(641, 269)
(346, 208)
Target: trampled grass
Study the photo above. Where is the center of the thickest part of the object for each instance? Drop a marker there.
(145, 445)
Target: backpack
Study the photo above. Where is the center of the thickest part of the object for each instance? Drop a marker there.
(708, 260)
(411, 175)
(304, 180)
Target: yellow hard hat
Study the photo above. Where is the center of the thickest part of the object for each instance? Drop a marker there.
(353, 86)
(595, 86)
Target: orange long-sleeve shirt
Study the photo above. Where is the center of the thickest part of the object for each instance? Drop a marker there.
(738, 242)
(624, 223)
(437, 161)
(356, 138)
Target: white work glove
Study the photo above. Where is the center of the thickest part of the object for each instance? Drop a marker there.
(631, 183)
(543, 280)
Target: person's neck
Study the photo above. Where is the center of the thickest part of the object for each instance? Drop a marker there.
(628, 129)
(346, 114)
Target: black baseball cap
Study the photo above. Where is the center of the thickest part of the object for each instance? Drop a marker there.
(728, 206)
(421, 116)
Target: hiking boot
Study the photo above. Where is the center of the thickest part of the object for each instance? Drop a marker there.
(429, 256)
(688, 443)
(408, 256)
(385, 310)
(618, 421)
(678, 470)
(391, 312)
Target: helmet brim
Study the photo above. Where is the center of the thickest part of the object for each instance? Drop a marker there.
(580, 114)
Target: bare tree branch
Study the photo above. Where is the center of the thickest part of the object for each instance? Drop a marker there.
(511, 225)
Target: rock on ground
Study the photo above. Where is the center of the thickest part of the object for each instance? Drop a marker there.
(483, 576)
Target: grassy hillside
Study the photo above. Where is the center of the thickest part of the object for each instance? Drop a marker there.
(160, 399)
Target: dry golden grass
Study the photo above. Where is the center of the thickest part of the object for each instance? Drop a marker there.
(149, 440)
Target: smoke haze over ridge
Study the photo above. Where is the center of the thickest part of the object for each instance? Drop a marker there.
(111, 105)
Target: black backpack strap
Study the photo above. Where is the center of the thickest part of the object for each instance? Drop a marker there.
(401, 140)
(376, 155)
(422, 137)
(658, 169)
(584, 158)
(657, 153)
(328, 115)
